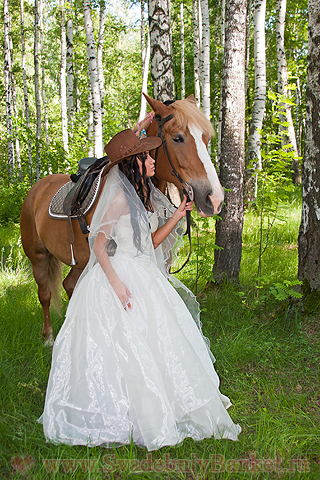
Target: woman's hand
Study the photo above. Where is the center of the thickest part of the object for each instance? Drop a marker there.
(182, 209)
(122, 292)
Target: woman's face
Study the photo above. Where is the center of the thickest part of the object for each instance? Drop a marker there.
(149, 164)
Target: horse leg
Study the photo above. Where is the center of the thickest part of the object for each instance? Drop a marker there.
(70, 281)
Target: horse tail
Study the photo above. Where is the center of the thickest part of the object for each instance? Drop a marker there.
(55, 281)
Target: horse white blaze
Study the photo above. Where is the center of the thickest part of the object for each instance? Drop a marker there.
(217, 196)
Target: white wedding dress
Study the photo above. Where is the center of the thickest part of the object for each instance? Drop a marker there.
(144, 375)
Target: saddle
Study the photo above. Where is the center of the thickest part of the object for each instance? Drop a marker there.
(76, 198)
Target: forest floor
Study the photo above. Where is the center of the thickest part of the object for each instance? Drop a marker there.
(267, 349)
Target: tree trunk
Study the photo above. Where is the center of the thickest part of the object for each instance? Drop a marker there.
(183, 76)
(25, 93)
(70, 100)
(15, 113)
(8, 89)
(223, 23)
(283, 83)
(196, 51)
(94, 80)
(161, 53)
(229, 228)
(205, 56)
(145, 72)
(309, 234)
(100, 56)
(36, 90)
(260, 81)
(63, 86)
(43, 90)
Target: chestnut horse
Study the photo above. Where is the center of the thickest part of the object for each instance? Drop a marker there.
(45, 240)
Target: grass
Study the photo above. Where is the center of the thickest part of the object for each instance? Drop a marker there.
(268, 356)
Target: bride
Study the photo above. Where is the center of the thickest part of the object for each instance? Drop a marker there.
(130, 362)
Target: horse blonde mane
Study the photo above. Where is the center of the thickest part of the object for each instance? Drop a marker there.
(186, 113)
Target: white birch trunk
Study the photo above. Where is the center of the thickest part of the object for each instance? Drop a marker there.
(8, 89)
(223, 21)
(70, 88)
(63, 85)
(205, 55)
(94, 80)
(183, 76)
(90, 122)
(161, 52)
(143, 35)
(43, 91)
(25, 92)
(15, 113)
(196, 51)
(253, 149)
(249, 16)
(283, 80)
(36, 89)
(103, 12)
(143, 105)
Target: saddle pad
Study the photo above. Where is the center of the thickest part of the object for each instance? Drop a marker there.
(55, 209)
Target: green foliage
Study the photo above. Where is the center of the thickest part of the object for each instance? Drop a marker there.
(11, 197)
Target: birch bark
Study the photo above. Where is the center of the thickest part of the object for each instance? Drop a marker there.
(309, 234)
(205, 56)
(25, 92)
(196, 51)
(63, 85)
(70, 81)
(43, 90)
(161, 53)
(183, 77)
(143, 105)
(229, 228)
(15, 112)
(283, 82)
(36, 89)
(253, 149)
(94, 80)
(8, 89)
(103, 12)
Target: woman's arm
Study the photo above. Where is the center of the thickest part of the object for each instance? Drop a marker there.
(159, 235)
(119, 287)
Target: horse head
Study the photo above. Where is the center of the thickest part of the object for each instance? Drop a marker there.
(186, 134)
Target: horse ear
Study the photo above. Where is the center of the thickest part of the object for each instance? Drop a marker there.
(191, 99)
(158, 107)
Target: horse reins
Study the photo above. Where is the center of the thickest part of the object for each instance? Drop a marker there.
(186, 188)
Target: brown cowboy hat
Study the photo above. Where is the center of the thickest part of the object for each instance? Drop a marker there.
(126, 143)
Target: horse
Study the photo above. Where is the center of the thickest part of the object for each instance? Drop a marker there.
(185, 131)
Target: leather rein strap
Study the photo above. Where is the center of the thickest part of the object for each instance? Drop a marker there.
(186, 188)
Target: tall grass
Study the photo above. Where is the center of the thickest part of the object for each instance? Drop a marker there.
(267, 355)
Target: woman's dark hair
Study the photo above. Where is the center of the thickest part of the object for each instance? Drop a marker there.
(141, 183)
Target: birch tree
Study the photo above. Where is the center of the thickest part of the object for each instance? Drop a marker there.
(196, 51)
(283, 81)
(205, 58)
(69, 59)
(183, 76)
(63, 85)
(43, 90)
(94, 80)
(145, 60)
(36, 89)
(15, 111)
(229, 228)
(309, 234)
(25, 91)
(8, 89)
(161, 52)
(260, 81)
(100, 55)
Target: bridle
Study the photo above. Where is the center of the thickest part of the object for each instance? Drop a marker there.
(186, 188)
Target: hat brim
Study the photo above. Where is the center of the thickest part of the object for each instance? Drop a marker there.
(143, 145)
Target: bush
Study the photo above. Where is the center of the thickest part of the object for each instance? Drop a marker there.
(11, 199)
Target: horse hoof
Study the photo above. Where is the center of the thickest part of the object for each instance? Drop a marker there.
(49, 342)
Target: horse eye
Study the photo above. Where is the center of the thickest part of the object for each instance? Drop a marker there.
(178, 139)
